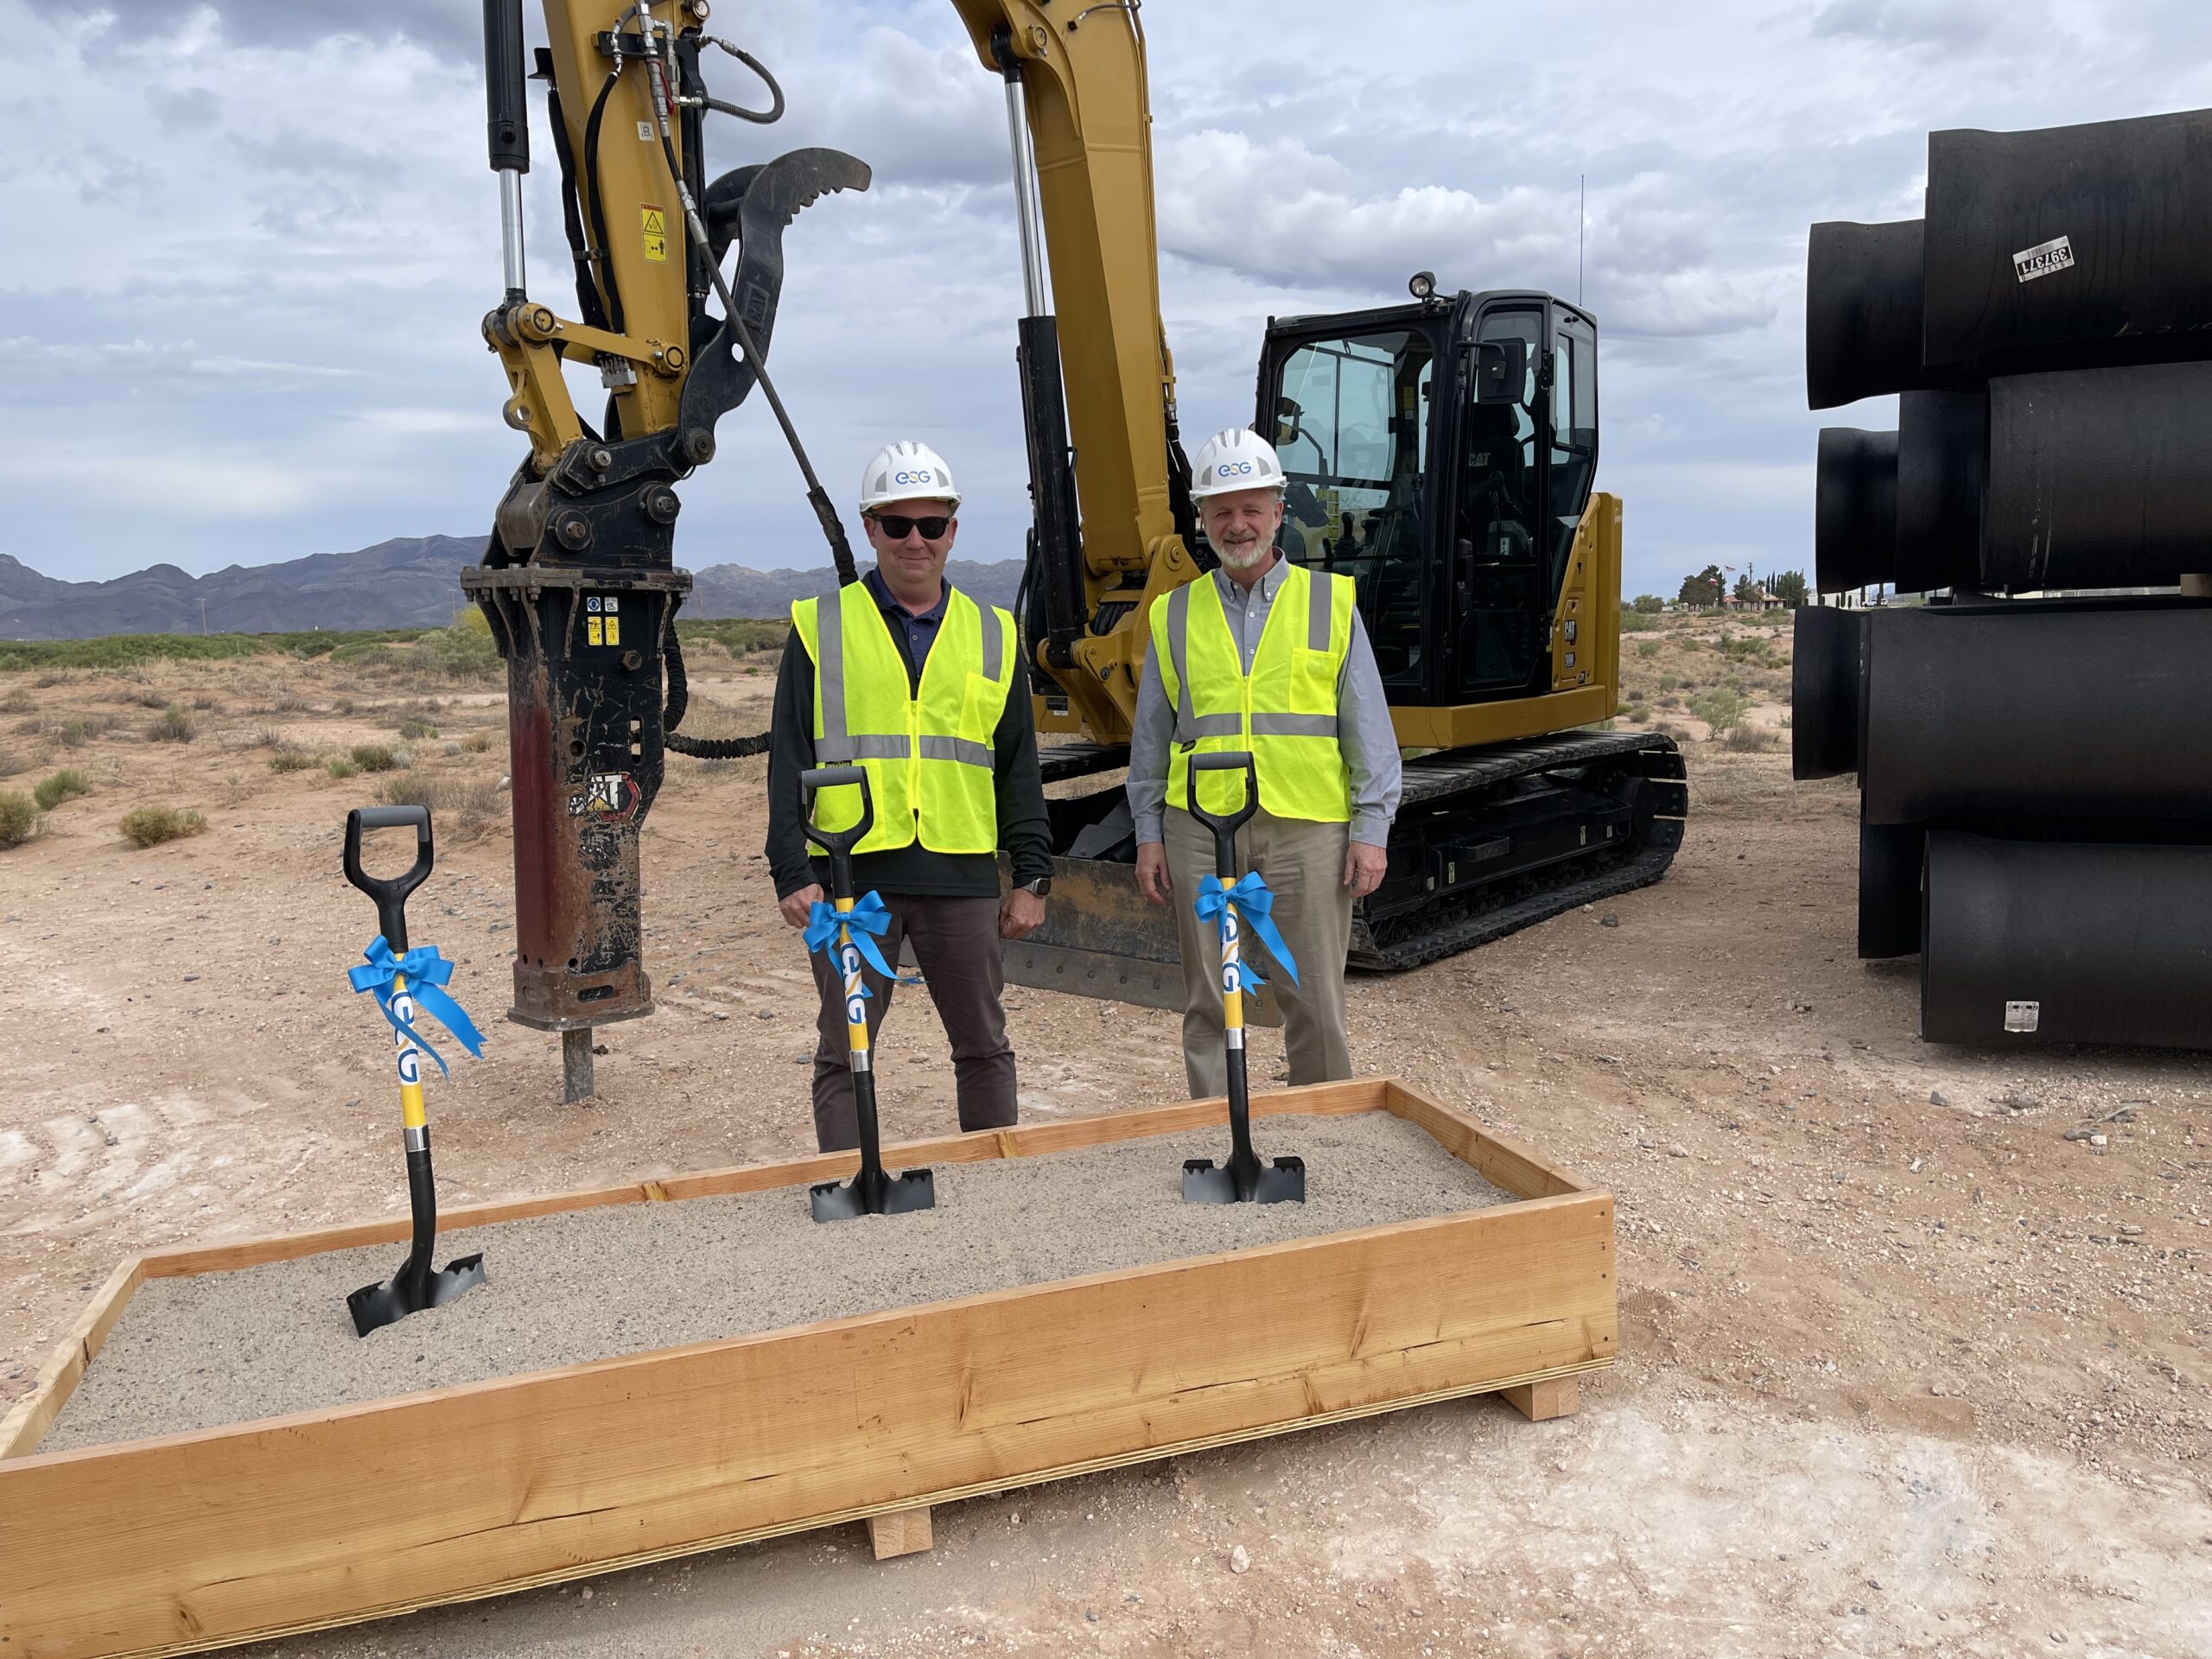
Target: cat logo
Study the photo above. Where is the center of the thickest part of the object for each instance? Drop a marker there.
(606, 795)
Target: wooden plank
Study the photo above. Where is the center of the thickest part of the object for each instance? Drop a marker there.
(1324, 1100)
(1504, 1163)
(354, 1512)
(1558, 1396)
(31, 1416)
(902, 1532)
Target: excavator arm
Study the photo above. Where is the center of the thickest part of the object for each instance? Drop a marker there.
(579, 582)
(1114, 526)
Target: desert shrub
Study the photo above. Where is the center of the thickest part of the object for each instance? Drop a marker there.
(342, 705)
(1639, 622)
(339, 766)
(464, 803)
(375, 757)
(477, 742)
(1718, 708)
(149, 826)
(19, 700)
(172, 725)
(412, 730)
(203, 703)
(735, 635)
(1750, 739)
(1743, 647)
(1636, 695)
(462, 651)
(81, 729)
(365, 653)
(288, 758)
(66, 785)
(19, 817)
(1647, 648)
(1649, 604)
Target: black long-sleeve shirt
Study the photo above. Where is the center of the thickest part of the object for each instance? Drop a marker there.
(1025, 830)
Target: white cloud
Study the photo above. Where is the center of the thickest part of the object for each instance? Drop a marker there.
(249, 243)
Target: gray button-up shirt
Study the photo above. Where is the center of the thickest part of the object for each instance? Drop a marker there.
(1363, 729)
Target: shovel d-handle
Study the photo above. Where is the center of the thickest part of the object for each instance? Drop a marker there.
(389, 892)
(838, 843)
(1224, 828)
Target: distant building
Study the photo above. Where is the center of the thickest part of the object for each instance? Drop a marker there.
(1760, 599)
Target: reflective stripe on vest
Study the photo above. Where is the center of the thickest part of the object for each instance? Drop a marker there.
(928, 750)
(1284, 709)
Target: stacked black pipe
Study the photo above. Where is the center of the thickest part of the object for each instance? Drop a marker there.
(2031, 743)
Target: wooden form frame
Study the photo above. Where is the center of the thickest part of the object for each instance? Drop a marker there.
(195, 1540)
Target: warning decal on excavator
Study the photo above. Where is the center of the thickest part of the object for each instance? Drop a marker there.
(655, 234)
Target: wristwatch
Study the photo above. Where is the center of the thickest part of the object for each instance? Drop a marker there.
(1040, 886)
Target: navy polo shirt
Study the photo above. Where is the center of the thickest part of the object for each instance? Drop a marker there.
(921, 631)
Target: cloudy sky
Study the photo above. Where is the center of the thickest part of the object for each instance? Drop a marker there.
(245, 246)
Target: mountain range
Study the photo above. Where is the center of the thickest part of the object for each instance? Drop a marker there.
(409, 581)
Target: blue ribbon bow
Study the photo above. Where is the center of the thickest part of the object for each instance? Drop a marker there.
(426, 970)
(868, 917)
(1253, 903)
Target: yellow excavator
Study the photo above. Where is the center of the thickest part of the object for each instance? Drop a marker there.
(1440, 452)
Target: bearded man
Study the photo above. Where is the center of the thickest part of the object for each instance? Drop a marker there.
(1266, 657)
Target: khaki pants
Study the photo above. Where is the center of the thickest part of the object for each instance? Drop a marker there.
(1303, 864)
(957, 945)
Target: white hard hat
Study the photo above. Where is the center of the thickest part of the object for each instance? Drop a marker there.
(1237, 459)
(906, 471)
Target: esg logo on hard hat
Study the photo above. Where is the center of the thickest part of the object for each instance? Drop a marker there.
(1232, 470)
(921, 475)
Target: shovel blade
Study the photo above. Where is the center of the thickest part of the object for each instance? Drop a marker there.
(374, 1307)
(1281, 1182)
(897, 1195)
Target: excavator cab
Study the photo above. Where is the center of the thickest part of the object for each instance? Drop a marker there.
(1441, 455)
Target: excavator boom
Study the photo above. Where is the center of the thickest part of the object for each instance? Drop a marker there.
(1080, 120)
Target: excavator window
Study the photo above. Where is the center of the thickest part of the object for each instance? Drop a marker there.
(1502, 602)
(1352, 430)
(1574, 416)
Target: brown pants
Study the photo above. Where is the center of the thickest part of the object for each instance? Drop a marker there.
(1303, 865)
(957, 942)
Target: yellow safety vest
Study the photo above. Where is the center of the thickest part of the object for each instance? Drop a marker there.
(928, 756)
(1284, 711)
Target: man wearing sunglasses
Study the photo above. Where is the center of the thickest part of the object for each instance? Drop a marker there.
(908, 678)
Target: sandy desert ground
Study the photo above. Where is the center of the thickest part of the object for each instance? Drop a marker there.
(1905, 1368)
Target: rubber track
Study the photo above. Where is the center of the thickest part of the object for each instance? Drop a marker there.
(1476, 915)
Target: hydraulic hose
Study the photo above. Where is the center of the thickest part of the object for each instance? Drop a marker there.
(775, 110)
(594, 207)
(679, 699)
(588, 306)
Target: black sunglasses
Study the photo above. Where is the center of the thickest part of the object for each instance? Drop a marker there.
(898, 526)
